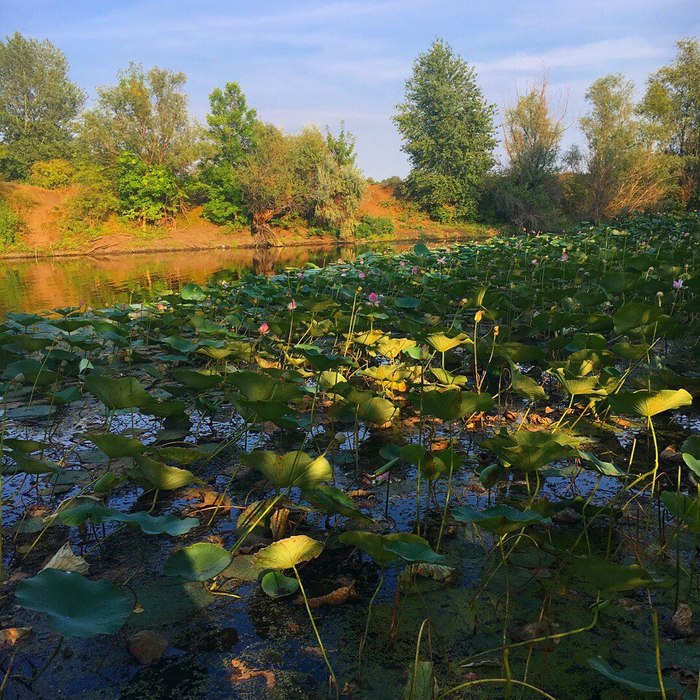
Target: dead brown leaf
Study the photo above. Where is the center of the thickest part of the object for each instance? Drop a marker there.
(243, 672)
(337, 597)
(11, 636)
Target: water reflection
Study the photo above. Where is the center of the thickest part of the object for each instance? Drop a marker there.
(35, 285)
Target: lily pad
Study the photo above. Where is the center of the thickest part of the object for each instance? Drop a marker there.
(198, 562)
(74, 605)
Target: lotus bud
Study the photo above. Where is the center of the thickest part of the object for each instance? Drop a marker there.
(496, 330)
(339, 438)
(478, 316)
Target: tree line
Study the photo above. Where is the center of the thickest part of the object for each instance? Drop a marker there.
(138, 152)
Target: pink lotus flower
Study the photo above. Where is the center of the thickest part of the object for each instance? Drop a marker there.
(403, 263)
(564, 256)
(414, 270)
(686, 234)
(361, 275)
(264, 328)
(292, 305)
(442, 260)
(534, 261)
(678, 284)
(340, 261)
(373, 298)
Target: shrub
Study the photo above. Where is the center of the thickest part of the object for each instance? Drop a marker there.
(52, 174)
(147, 193)
(11, 225)
(374, 226)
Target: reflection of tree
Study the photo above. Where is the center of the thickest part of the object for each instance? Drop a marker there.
(265, 261)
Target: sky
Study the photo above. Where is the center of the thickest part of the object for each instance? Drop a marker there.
(311, 61)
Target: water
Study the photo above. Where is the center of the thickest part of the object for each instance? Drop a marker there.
(47, 283)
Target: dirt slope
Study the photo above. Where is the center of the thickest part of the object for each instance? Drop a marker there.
(43, 210)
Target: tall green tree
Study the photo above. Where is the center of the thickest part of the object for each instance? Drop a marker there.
(625, 173)
(38, 104)
(231, 138)
(671, 107)
(145, 113)
(448, 132)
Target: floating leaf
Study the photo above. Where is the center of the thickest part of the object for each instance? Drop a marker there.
(75, 606)
(277, 585)
(198, 562)
(500, 519)
(393, 548)
(641, 682)
(608, 576)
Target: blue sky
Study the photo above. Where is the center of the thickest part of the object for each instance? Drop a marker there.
(313, 61)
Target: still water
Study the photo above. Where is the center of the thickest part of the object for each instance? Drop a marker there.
(47, 283)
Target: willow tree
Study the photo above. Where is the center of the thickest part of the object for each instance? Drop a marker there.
(145, 113)
(300, 174)
(448, 132)
(671, 107)
(625, 172)
(530, 188)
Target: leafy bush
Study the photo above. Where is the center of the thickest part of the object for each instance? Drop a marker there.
(374, 226)
(52, 174)
(147, 193)
(11, 225)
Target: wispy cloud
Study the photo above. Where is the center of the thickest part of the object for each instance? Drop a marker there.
(585, 56)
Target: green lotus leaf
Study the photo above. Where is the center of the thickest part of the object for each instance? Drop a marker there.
(691, 454)
(290, 469)
(453, 405)
(116, 446)
(32, 465)
(288, 553)
(192, 292)
(447, 378)
(161, 476)
(74, 605)
(377, 410)
(605, 468)
(636, 316)
(646, 404)
(683, 507)
(529, 450)
(442, 343)
(641, 682)
(198, 562)
(500, 519)
(277, 585)
(116, 394)
(611, 577)
(262, 387)
(194, 379)
(329, 499)
(377, 546)
(526, 386)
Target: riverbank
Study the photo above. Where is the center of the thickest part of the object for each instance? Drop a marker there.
(48, 232)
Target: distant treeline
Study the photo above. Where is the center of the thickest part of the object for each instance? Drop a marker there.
(138, 153)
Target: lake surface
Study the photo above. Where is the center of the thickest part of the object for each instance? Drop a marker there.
(47, 283)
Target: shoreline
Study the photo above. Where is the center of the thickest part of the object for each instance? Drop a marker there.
(454, 236)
